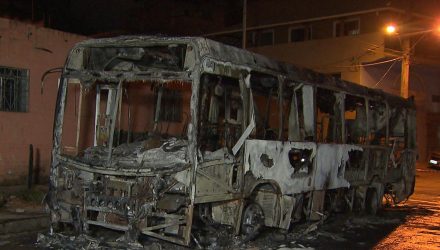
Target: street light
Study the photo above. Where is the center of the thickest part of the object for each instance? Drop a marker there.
(436, 28)
(405, 41)
(390, 29)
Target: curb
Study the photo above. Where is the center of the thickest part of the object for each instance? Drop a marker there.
(428, 170)
(24, 224)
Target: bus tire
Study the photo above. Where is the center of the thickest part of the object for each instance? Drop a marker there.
(252, 221)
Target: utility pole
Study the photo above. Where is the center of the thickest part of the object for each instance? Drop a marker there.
(244, 23)
(406, 54)
(404, 78)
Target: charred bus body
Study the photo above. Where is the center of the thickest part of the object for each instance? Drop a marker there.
(152, 132)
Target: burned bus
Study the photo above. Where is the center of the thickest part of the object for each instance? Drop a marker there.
(153, 133)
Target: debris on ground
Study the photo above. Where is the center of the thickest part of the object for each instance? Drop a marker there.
(221, 238)
(56, 240)
(295, 248)
(86, 242)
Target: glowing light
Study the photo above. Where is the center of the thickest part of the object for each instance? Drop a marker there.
(436, 26)
(433, 162)
(391, 29)
(437, 29)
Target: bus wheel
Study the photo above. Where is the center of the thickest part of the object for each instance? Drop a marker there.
(372, 202)
(252, 221)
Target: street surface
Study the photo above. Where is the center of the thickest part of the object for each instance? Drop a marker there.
(421, 229)
(414, 224)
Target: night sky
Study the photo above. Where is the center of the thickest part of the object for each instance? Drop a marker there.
(101, 17)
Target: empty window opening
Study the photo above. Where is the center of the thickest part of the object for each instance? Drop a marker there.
(171, 105)
(436, 98)
(221, 113)
(72, 114)
(355, 120)
(355, 161)
(301, 160)
(377, 122)
(397, 130)
(266, 38)
(348, 27)
(298, 104)
(299, 34)
(107, 115)
(266, 106)
(329, 116)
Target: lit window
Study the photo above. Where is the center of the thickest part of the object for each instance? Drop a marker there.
(348, 27)
(14, 88)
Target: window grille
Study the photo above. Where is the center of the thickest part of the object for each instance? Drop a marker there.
(14, 89)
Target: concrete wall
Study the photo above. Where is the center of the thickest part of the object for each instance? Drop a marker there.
(36, 49)
(275, 11)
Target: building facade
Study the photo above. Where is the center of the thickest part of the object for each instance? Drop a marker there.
(347, 39)
(344, 38)
(26, 111)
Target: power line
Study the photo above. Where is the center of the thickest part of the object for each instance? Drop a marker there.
(368, 64)
(418, 40)
(384, 75)
(365, 52)
(357, 56)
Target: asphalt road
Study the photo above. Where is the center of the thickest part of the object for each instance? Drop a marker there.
(421, 227)
(414, 224)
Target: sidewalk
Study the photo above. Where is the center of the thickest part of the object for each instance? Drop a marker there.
(22, 210)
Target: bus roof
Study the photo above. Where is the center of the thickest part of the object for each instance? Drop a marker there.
(236, 56)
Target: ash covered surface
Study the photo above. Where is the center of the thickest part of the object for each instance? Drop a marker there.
(86, 242)
(172, 153)
(331, 232)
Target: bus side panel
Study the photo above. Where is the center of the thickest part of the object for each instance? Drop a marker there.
(298, 167)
